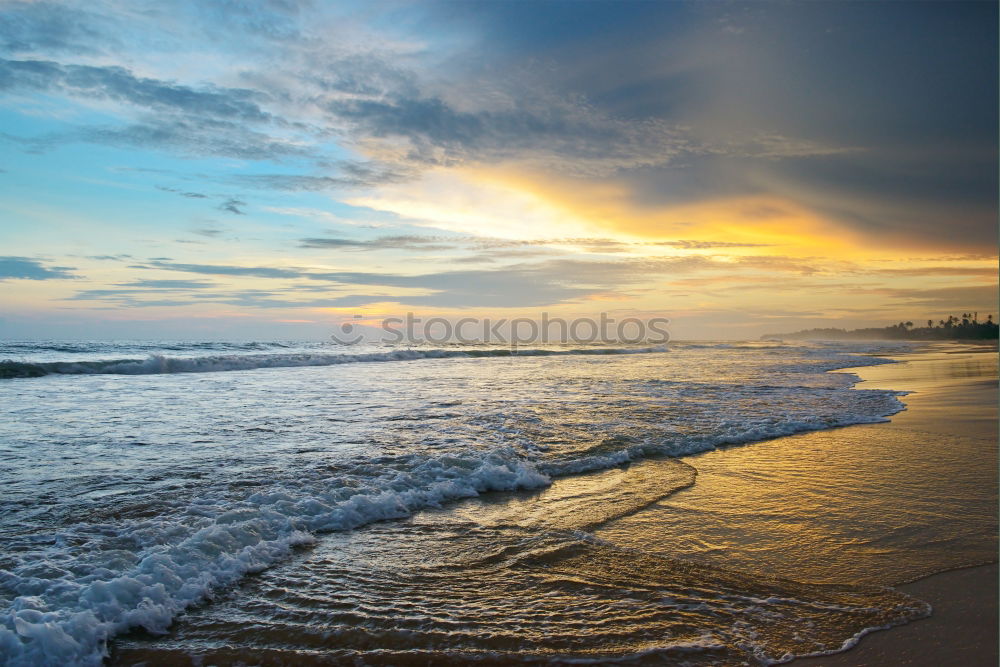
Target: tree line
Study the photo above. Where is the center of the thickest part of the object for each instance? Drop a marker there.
(966, 327)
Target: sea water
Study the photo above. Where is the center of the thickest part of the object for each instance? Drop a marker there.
(295, 503)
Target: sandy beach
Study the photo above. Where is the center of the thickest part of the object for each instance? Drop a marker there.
(880, 504)
(487, 332)
(961, 631)
(950, 395)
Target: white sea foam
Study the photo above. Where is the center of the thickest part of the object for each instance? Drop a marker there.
(64, 613)
(159, 363)
(96, 580)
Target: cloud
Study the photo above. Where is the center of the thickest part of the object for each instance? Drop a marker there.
(323, 216)
(526, 285)
(560, 280)
(656, 113)
(958, 298)
(704, 245)
(120, 85)
(497, 247)
(403, 242)
(25, 268)
(522, 285)
(210, 232)
(928, 271)
(225, 270)
(55, 28)
(193, 136)
(800, 265)
(384, 107)
(206, 121)
(233, 205)
(168, 284)
(183, 193)
(349, 176)
(578, 129)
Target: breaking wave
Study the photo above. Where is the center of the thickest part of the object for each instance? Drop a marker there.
(156, 364)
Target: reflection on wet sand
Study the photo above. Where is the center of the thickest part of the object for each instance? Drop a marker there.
(518, 575)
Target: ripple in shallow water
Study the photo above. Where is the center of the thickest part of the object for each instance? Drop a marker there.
(516, 577)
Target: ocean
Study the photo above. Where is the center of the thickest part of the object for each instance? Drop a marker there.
(308, 503)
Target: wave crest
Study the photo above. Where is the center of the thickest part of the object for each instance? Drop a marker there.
(156, 364)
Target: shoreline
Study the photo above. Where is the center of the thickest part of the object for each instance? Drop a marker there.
(907, 504)
(563, 501)
(962, 626)
(961, 629)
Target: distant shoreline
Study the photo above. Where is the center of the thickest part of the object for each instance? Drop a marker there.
(966, 329)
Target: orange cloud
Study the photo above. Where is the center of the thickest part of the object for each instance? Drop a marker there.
(611, 208)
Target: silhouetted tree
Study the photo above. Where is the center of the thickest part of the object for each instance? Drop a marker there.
(953, 328)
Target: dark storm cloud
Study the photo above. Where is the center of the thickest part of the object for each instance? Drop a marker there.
(892, 132)
(923, 194)
(25, 268)
(549, 133)
(889, 132)
(564, 132)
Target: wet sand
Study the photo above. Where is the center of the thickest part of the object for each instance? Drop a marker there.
(880, 504)
(868, 506)
(962, 629)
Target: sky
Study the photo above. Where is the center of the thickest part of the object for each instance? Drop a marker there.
(270, 169)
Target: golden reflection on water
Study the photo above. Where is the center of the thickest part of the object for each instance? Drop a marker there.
(881, 503)
(513, 577)
(671, 571)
